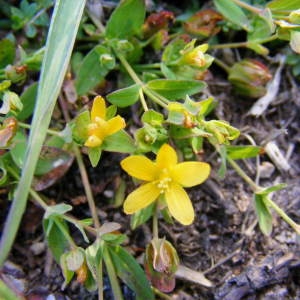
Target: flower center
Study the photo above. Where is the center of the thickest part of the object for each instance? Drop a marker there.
(164, 180)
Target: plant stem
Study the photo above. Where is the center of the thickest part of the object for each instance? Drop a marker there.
(154, 96)
(155, 223)
(49, 131)
(112, 275)
(100, 281)
(241, 172)
(247, 6)
(87, 187)
(221, 64)
(283, 215)
(229, 45)
(161, 294)
(143, 100)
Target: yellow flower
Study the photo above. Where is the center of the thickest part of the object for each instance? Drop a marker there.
(100, 128)
(164, 177)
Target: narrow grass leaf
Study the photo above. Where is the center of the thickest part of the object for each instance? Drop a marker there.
(62, 32)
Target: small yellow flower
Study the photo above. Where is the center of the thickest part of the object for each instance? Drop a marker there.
(164, 177)
(100, 128)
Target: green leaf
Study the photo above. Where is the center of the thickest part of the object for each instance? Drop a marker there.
(142, 216)
(59, 45)
(94, 255)
(175, 89)
(75, 259)
(233, 13)
(263, 214)
(126, 20)
(152, 117)
(28, 99)
(68, 275)
(131, 273)
(284, 5)
(272, 189)
(91, 72)
(7, 53)
(242, 152)
(223, 167)
(57, 210)
(94, 155)
(124, 97)
(119, 142)
(3, 172)
(56, 240)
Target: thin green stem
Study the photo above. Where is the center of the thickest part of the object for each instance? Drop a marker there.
(221, 64)
(155, 223)
(49, 131)
(129, 69)
(283, 215)
(247, 6)
(243, 44)
(143, 100)
(147, 66)
(87, 187)
(100, 281)
(66, 234)
(241, 172)
(151, 94)
(228, 45)
(112, 275)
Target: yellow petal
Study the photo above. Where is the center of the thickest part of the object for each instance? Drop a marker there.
(140, 167)
(115, 124)
(166, 157)
(190, 173)
(141, 197)
(98, 108)
(179, 204)
(93, 141)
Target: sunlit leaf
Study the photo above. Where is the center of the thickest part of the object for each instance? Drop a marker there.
(263, 214)
(28, 99)
(91, 72)
(126, 19)
(119, 142)
(175, 89)
(242, 152)
(128, 269)
(233, 13)
(283, 5)
(124, 97)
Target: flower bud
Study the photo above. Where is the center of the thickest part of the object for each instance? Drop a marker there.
(8, 131)
(249, 77)
(161, 263)
(16, 74)
(11, 103)
(107, 61)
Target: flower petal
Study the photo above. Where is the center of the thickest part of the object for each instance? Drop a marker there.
(115, 124)
(98, 108)
(190, 173)
(166, 157)
(141, 197)
(93, 141)
(179, 204)
(140, 167)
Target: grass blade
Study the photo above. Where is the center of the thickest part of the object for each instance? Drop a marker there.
(62, 32)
